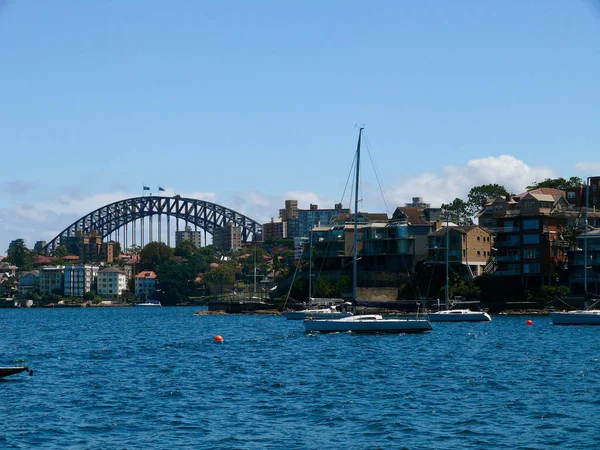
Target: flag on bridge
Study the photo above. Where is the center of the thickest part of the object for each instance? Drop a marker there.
(160, 189)
(146, 188)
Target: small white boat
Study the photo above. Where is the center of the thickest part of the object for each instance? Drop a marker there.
(329, 312)
(579, 317)
(586, 316)
(368, 323)
(459, 315)
(149, 302)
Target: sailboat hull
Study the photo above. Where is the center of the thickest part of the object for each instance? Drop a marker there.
(367, 324)
(459, 315)
(315, 314)
(582, 317)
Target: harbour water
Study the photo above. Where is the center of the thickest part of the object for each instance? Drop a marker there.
(153, 378)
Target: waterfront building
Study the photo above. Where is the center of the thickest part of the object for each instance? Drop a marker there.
(29, 281)
(530, 244)
(228, 238)
(79, 279)
(145, 284)
(112, 281)
(420, 221)
(469, 248)
(51, 278)
(195, 237)
(385, 249)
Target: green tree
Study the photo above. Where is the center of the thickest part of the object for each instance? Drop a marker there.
(60, 251)
(175, 281)
(186, 249)
(458, 211)
(480, 195)
(154, 254)
(116, 248)
(556, 183)
(20, 255)
(89, 296)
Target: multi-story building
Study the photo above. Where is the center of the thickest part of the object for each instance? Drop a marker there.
(300, 248)
(51, 278)
(39, 245)
(420, 222)
(417, 202)
(384, 248)
(112, 281)
(145, 284)
(290, 211)
(195, 237)
(577, 276)
(89, 248)
(529, 230)
(576, 195)
(307, 219)
(470, 248)
(29, 281)
(277, 228)
(79, 279)
(228, 238)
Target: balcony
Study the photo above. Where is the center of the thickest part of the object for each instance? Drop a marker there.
(507, 273)
(508, 258)
(506, 229)
(509, 243)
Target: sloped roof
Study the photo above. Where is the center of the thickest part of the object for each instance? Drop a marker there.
(543, 191)
(414, 215)
(111, 269)
(460, 229)
(544, 197)
(146, 274)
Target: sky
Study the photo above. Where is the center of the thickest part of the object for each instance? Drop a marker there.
(247, 104)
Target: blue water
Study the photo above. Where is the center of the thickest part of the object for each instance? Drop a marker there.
(153, 378)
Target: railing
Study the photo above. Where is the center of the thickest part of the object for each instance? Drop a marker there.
(506, 273)
(508, 258)
(507, 244)
(506, 229)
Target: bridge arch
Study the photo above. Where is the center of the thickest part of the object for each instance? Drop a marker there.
(114, 216)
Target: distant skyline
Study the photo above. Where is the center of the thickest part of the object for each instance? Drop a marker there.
(247, 104)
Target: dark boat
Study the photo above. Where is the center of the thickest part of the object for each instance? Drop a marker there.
(6, 371)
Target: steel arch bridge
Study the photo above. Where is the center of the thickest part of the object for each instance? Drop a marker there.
(205, 215)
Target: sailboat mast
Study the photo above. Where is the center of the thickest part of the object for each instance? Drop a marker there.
(310, 245)
(446, 299)
(585, 257)
(355, 243)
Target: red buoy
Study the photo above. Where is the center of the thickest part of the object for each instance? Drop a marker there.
(529, 322)
(218, 338)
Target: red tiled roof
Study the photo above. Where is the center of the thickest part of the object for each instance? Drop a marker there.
(146, 274)
(543, 190)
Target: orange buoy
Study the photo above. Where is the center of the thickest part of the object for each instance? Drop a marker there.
(529, 322)
(218, 338)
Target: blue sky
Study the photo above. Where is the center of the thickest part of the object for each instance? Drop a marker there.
(249, 103)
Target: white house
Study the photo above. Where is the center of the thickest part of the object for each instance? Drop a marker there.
(112, 281)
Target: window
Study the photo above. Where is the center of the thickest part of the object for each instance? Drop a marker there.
(531, 239)
(531, 253)
(531, 224)
(478, 238)
(531, 268)
(478, 253)
(571, 195)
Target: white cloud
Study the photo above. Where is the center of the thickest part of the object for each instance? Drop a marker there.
(508, 171)
(587, 169)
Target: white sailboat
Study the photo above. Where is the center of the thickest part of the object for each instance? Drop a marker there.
(449, 314)
(327, 310)
(586, 316)
(372, 323)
